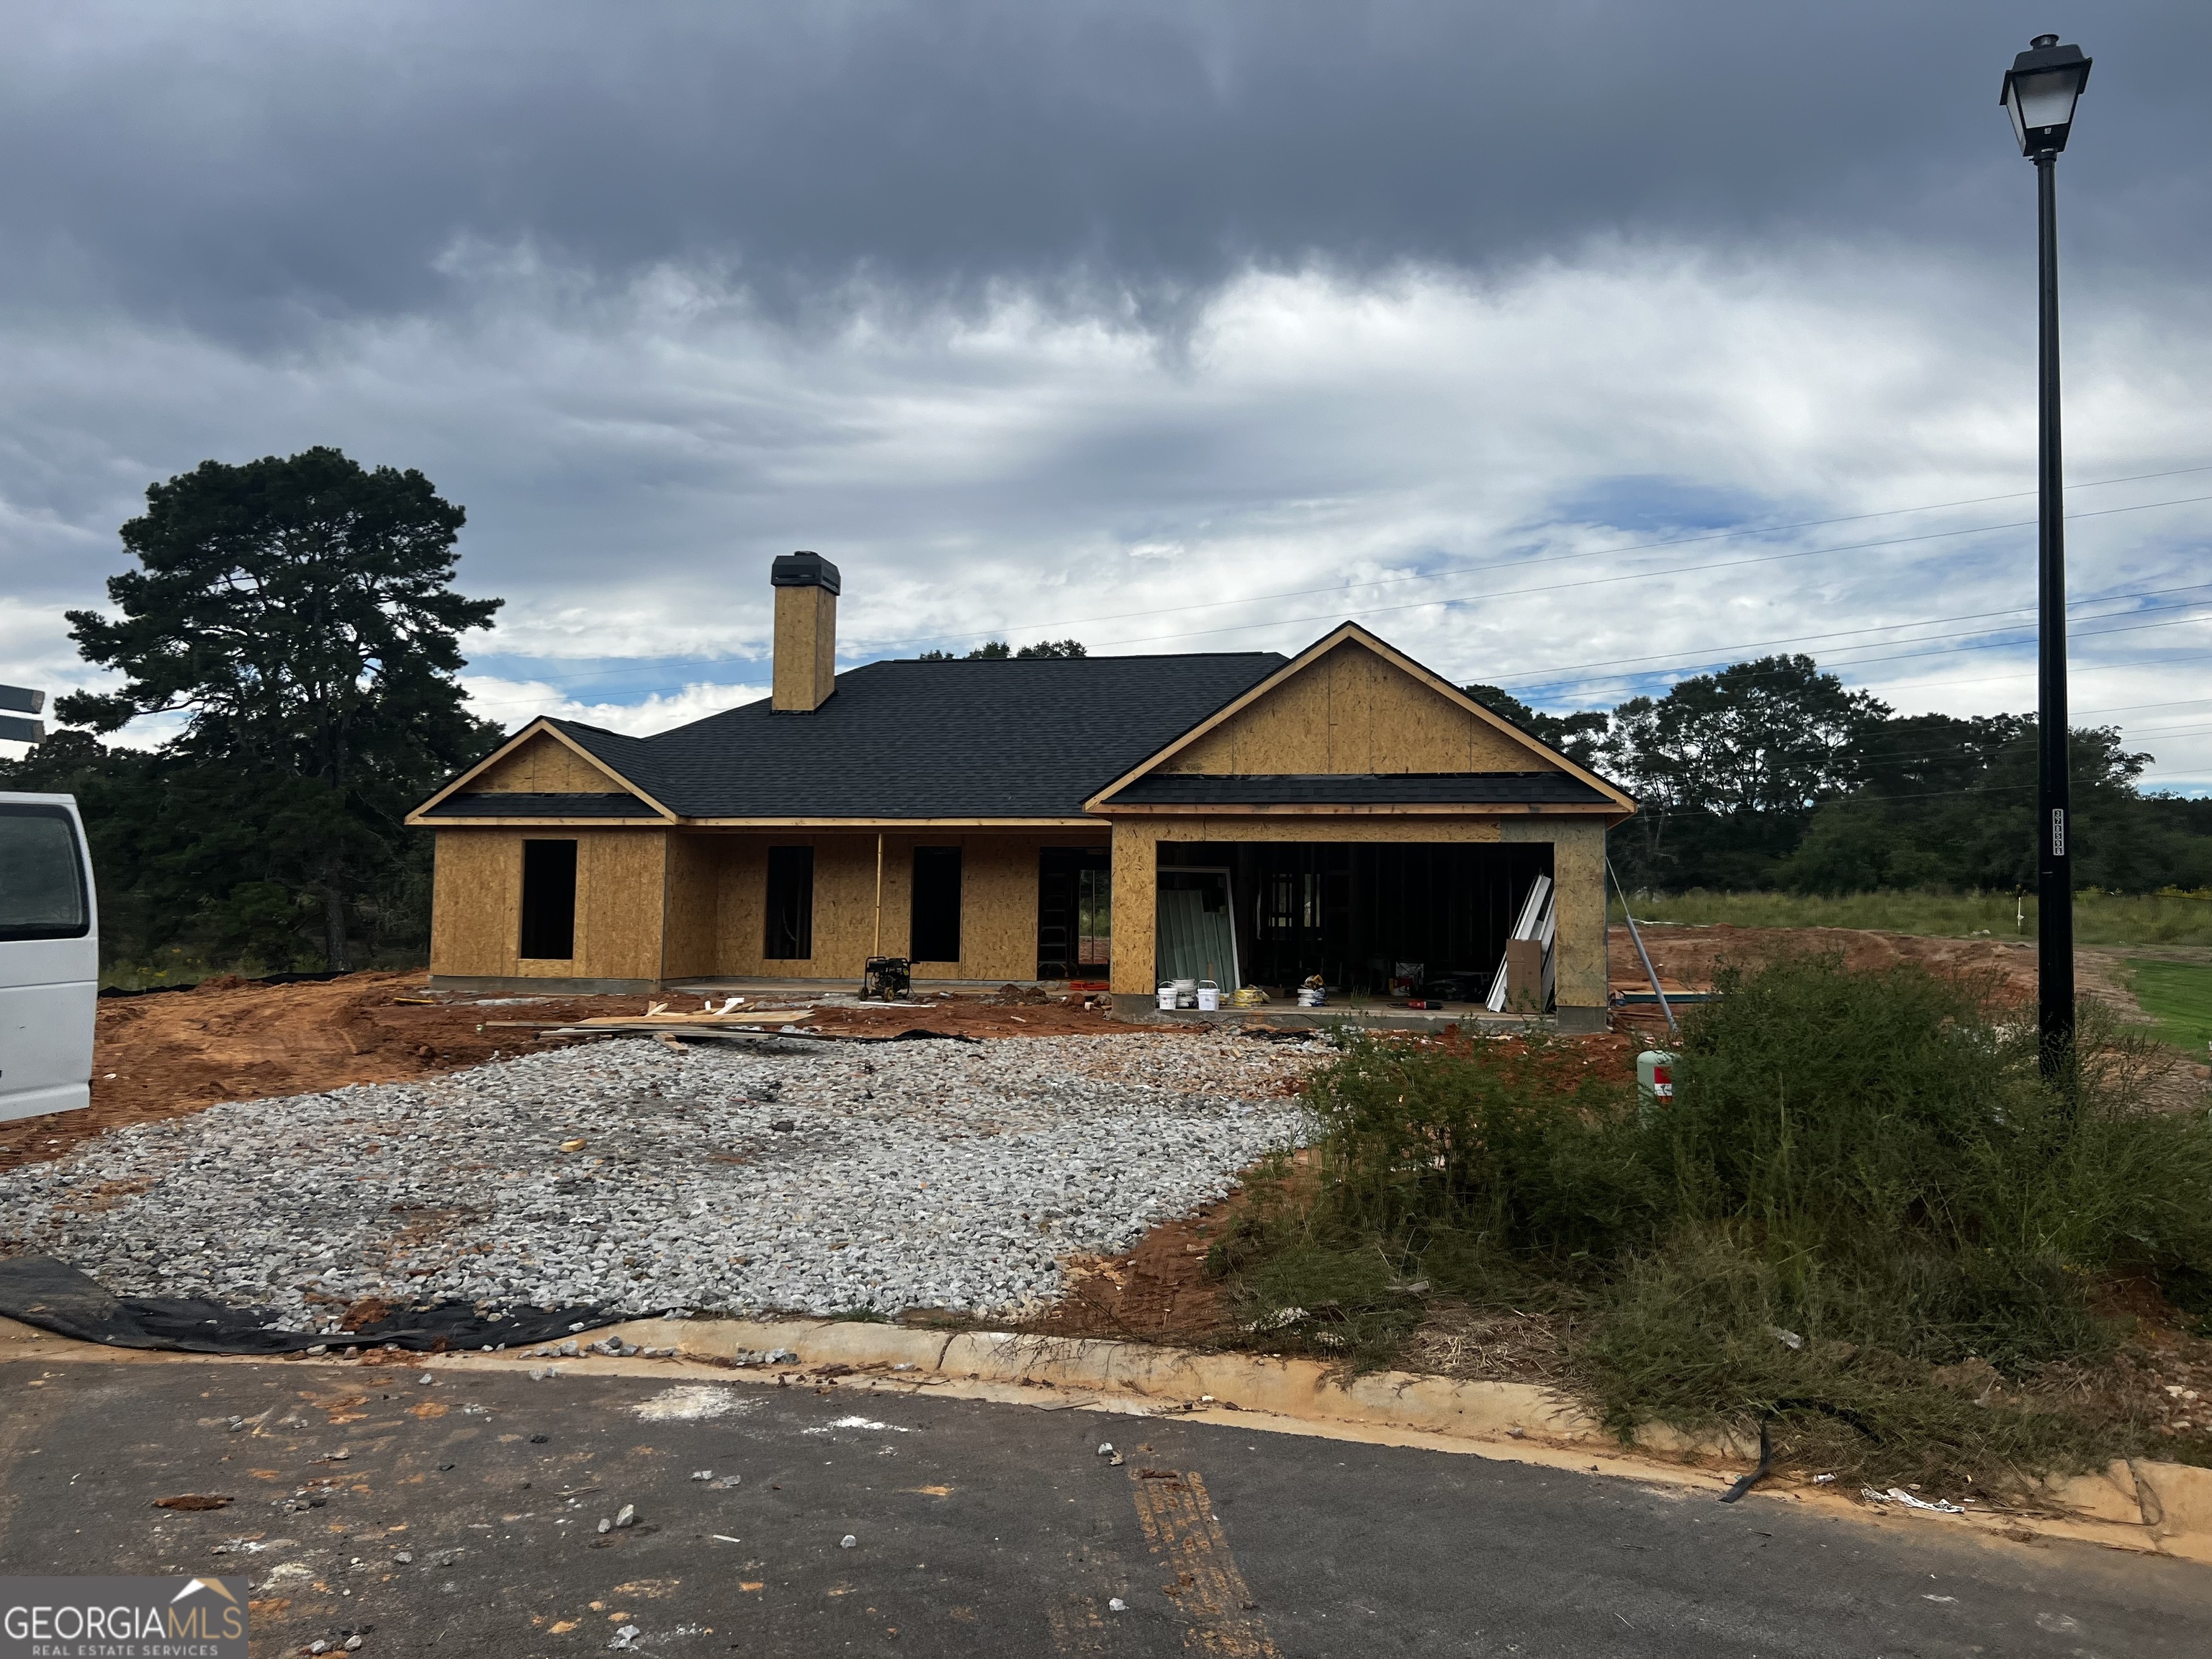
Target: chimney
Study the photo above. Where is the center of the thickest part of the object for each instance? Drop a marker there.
(805, 632)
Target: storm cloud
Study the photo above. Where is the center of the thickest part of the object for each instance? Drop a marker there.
(1169, 326)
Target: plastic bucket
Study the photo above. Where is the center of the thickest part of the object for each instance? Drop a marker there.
(1209, 997)
(1167, 995)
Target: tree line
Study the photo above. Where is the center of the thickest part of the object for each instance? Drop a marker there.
(1771, 774)
(292, 627)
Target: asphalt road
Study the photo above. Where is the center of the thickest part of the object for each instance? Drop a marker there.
(977, 1529)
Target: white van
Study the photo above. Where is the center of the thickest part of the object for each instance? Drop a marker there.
(49, 957)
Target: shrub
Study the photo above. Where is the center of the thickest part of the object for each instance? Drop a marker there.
(1862, 1192)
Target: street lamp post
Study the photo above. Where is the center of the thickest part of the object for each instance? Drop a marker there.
(2039, 90)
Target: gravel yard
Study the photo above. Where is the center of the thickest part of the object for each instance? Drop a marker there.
(720, 1178)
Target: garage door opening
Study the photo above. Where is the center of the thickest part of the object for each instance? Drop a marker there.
(1372, 919)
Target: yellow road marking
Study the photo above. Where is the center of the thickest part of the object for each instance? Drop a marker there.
(1179, 1524)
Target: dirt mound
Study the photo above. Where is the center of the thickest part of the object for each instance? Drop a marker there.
(1689, 956)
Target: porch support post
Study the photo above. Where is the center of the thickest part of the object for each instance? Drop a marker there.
(1136, 907)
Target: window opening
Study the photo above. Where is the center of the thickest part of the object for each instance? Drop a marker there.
(935, 934)
(1094, 918)
(790, 904)
(549, 900)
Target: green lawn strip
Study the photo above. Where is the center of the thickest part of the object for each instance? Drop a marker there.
(2178, 996)
(2099, 918)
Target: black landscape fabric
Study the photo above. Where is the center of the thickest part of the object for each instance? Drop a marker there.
(55, 1297)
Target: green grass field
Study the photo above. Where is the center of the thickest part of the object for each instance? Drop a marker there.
(2178, 996)
(2099, 918)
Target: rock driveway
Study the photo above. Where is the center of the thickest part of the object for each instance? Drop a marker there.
(825, 1178)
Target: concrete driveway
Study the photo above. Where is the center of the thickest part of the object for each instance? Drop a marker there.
(463, 1516)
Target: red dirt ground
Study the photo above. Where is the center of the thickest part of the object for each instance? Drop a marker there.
(1688, 955)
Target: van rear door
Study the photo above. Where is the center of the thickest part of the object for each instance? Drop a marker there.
(49, 957)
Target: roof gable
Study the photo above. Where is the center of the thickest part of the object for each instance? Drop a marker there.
(531, 773)
(1353, 705)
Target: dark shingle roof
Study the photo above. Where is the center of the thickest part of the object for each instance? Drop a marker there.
(1362, 789)
(502, 804)
(1012, 738)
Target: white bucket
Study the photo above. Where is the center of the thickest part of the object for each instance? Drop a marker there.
(1167, 995)
(1209, 997)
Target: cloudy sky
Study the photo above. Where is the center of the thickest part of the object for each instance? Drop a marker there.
(1574, 346)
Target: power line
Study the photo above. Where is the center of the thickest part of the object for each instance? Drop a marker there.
(1646, 575)
(1528, 680)
(1592, 553)
(1613, 552)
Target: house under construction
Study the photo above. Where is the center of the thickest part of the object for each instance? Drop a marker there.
(1243, 818)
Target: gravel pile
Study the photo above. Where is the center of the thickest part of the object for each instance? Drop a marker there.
(626, 1174)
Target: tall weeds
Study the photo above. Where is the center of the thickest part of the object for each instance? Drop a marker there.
(1864, 1210)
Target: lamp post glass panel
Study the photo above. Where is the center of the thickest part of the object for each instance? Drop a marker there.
(2039, 90)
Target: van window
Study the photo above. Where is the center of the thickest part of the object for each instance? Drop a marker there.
(549, 900)
(42, 892)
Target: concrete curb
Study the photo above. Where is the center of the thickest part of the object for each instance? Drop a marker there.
(2158, 1507)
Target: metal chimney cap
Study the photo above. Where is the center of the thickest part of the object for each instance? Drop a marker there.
(804, 570)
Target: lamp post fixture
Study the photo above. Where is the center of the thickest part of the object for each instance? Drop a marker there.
(2039, 90)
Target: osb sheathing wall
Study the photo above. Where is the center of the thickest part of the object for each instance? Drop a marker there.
(691, 934)
(544, 766)
(998, 904)
(476, 918)
(1352, 712)
(1578, 864)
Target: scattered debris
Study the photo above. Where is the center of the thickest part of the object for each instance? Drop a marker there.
(691, 1402)
(1788, 1339)
(1899, 1495)
(626, 1515)
(193, 1500)
(848, 1541)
